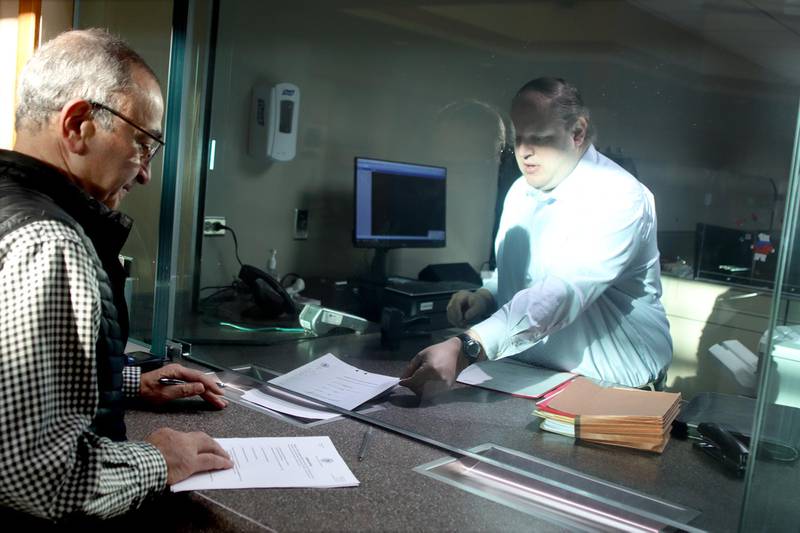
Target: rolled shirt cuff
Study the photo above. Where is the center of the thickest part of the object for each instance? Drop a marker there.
(491, 332)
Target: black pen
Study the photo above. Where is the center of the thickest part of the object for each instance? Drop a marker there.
(176, 381)
(363, 449)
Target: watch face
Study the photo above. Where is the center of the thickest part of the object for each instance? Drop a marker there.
(469, 346)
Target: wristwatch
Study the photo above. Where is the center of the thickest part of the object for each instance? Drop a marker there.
(470, 347)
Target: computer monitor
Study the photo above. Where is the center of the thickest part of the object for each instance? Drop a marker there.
(398, 205)
(730, 255)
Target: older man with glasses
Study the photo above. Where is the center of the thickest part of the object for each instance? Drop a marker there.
(88, 124)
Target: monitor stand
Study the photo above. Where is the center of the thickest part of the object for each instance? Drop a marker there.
(370, 285)
(377, 271)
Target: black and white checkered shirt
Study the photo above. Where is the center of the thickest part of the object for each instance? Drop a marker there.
(51, 465)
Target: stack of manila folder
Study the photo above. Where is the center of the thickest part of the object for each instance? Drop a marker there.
(617, 416)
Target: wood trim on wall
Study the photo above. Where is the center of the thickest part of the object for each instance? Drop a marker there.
(28, 23)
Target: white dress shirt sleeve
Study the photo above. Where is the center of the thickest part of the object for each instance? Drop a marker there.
(602, 242)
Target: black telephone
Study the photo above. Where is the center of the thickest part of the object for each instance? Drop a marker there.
(269, 295)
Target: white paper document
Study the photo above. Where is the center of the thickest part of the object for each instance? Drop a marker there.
(276, 462)
(513, 377)
(335, 382)
(289, 404)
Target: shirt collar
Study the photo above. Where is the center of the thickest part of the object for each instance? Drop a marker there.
(569, 183)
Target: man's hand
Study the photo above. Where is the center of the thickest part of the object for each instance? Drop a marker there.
(435, 368)
(467, 306)
(188, 453)
(196, 384)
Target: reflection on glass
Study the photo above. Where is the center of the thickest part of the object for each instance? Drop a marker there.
(696, 102)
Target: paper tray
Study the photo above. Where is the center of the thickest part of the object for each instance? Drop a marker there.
(557, 494)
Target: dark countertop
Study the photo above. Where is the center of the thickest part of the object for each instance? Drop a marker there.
(391, 495)
(394, 497)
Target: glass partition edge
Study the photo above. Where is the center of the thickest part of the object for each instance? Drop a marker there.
(748, 512)
(163, 295)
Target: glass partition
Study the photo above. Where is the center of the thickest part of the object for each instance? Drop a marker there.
(697, 100)
(147, 27)
(772, 476)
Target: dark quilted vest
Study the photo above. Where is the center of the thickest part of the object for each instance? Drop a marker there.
(31, 191)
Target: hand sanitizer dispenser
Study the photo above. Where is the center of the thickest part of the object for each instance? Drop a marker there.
(274, 113)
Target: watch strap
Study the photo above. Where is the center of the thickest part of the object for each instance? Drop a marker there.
(469, 346)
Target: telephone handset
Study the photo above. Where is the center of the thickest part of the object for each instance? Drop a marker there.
(267, 292)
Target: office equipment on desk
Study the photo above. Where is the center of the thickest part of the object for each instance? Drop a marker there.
(397, 205)
(320, 320)
(721, 444)
(734, 412)
(419, 288)
(275, 462)
(331, 380)
(417, 298)
(616, 416)
(781, 424)
(450, 272)
(732, 449)
(268, 293)
(513, 377)
(395, 326)
(721, 426)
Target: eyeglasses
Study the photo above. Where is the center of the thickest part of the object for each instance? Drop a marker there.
(147, 151)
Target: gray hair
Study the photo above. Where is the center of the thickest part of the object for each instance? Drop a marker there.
(88, 64)
(564, 99)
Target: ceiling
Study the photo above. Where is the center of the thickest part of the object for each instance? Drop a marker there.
(767, 32)
(746, 36)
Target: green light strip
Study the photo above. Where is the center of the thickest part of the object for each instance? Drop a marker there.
(270, 328)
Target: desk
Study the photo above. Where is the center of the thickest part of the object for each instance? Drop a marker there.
(394, 497)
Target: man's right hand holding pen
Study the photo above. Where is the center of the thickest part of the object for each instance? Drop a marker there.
(183, 383)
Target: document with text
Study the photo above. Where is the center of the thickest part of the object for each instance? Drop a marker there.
(333, 381)
(276, 462)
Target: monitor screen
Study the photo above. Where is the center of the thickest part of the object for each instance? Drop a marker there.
(399, 204)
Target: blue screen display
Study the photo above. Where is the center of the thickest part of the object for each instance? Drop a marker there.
(399, 204)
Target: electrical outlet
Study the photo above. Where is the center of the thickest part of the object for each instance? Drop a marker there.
(209, 226)
(301, 223)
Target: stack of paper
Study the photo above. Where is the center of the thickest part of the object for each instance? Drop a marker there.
(328, 379)
(618, 416)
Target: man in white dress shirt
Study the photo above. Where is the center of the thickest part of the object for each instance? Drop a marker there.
(577, 283)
